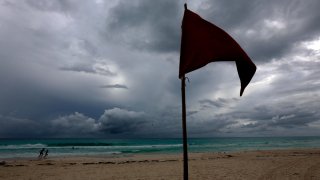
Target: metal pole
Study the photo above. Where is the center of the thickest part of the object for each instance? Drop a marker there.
(184, 129)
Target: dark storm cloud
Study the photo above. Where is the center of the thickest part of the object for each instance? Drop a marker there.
(74, 125)
(212, 103)
(55, 54)
(276, 119)
(121, 121)
(147, 25)
(287, 105)
(113, 121)
(285, 116)
(13, 127)
(117, 122)
(220, 102)
(267, 29)
(105, 71)
(58, 5)
(189, 113)
(114, 86)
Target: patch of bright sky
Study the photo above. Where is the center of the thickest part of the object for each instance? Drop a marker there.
(274, 24)
(313, 45)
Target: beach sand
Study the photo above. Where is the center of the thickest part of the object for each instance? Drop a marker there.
(275, 164)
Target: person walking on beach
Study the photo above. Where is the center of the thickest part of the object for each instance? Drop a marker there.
(41, 153)
(46, 153)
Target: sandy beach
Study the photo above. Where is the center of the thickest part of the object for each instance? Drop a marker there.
(275, 164)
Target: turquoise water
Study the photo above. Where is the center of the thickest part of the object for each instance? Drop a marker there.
(29, 148)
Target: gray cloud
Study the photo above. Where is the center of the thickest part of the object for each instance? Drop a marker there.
(105, 71)
(121, 121)
(54, 55)
(115, 122)
(114, 86)
(146, 25)
(47, 5)
(267, 29)
(220, 102)
(13, 127)
(189, 113)
(211, 103)
(74, 125)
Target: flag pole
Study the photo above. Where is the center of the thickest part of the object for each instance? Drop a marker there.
(184, 128)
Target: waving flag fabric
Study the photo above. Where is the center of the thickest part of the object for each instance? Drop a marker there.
(202, 42)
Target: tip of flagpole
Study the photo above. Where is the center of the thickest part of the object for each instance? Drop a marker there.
(185, 6)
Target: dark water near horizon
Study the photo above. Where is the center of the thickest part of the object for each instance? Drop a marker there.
(29, 148)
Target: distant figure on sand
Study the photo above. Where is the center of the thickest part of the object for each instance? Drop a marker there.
(46, 154)
(41, 153)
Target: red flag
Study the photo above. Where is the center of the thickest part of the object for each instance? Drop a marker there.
(202, 42)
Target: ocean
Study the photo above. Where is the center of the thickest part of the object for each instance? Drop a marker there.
(29, 148)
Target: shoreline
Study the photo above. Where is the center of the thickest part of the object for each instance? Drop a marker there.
(261, 164)
(117, 155)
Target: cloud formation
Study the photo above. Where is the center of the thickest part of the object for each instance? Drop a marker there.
(110, 69)
(74, 125)
(146, 25)
(114, 86)
(117, 121)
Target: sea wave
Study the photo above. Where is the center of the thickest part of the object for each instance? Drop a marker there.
(23, 146)
(79, 144)
(110, 145)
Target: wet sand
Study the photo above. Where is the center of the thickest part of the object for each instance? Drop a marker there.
(275, 164)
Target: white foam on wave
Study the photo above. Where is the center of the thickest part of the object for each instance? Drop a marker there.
(23, 146)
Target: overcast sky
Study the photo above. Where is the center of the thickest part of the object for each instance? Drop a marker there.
(79, 68)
